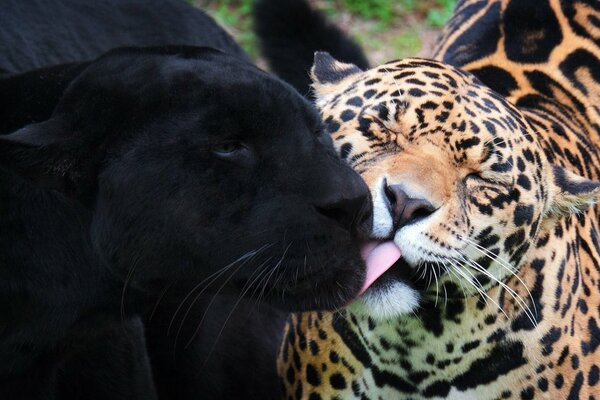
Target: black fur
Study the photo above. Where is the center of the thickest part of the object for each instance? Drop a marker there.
(290, 32)
(31, 96)
(40, 33)
(224, 350)
(133, 181)
(131, 129)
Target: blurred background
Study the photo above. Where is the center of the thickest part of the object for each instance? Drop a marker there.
(386, 29)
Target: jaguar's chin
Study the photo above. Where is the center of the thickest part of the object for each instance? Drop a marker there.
(388, 302)
(395, 293)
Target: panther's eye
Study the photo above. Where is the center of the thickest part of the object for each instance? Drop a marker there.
(226, 148)
(232, 150)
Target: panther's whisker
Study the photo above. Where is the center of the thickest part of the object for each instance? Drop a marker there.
(489, 253)
(209, 280)
(274, 269)
(160, 297)
(479, 287)
(473, 281)
(428, 273)
(462, 278)
(520, 302)
(264, 271)
(246, 258)
(266, 278)
(197, 297)
(513, 293)
(213, 298)
(243, 292)
(128, 278)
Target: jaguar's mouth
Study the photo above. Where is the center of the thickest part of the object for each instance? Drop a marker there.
(385, 264)
(379, 257)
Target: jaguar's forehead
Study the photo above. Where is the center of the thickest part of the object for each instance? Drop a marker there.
(412, 98)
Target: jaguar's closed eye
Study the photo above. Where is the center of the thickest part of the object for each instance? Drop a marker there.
(475, 176)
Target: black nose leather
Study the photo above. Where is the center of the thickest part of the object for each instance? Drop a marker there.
(353, 214)
(406, 210)
(340, 194)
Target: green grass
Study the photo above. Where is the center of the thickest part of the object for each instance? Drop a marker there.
(380, 17)
(386, 12)
(438, 16)
(372, 9)
(236, 15)
(406, 44)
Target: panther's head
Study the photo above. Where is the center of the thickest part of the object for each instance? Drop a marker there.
(457, 174)
(198, 168)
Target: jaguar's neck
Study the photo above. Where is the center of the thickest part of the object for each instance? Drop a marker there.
(535, 54)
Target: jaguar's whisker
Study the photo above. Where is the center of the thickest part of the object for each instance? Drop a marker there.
(484, 294)
(503, 263)
(473, 281)
(521, 303)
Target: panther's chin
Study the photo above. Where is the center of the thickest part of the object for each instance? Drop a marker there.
(314, 300)
(325, 288)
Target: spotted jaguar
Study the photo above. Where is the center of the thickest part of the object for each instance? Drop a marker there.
(483, 164)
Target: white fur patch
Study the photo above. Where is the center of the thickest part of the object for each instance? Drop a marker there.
(383, 222)
(388, 302)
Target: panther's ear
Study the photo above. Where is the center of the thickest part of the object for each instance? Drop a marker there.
(48, 155)
(327, 72)
(570, 193)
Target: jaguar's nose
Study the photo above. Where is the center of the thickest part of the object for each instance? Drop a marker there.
(406, 210)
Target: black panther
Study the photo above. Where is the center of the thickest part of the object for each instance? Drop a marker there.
(141, 174)
(157, 166)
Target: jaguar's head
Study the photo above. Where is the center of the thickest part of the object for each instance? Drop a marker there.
(458, 177)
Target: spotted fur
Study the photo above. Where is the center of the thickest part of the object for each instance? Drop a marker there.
(497, 295)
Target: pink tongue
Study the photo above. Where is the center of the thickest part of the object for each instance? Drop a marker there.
(379, 257)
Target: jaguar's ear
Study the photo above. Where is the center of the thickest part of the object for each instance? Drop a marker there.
(47, 154)
(327, 72)
(570, 193)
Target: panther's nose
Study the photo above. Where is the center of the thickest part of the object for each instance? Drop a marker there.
(354, 215)
(347, 201)
(406, 210)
